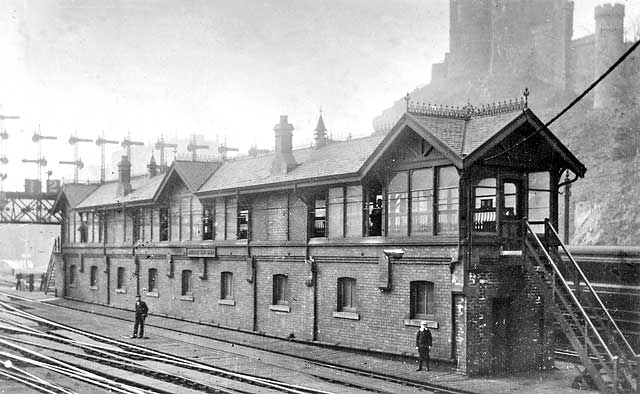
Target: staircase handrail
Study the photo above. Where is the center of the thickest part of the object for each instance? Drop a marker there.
(591, 289)
(564, 282)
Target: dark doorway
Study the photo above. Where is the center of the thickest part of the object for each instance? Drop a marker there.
(502, 346)
(511, 207)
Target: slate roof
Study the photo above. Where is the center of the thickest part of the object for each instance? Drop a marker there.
(144, 189)
(335, 159)
(75, 193)
(195, 173)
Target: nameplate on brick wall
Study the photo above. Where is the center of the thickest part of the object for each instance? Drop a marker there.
(208, 252)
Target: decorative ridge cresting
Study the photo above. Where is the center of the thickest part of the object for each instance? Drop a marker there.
(468, 111)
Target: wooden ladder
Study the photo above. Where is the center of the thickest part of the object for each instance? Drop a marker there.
(50, 276)
(606, 354)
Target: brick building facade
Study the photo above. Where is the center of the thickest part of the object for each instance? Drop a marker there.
(352, 243)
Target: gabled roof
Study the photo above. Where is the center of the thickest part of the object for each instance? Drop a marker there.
(194, 173)
(144, 189)
(338, 159)
(73, 193)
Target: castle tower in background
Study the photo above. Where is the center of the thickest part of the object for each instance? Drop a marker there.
(470, 37)
(609, 46)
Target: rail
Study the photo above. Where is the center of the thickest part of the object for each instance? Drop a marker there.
(583, 277)
(568, 289)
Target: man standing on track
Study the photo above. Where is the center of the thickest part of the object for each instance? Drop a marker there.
(423, 344)
(141, 314)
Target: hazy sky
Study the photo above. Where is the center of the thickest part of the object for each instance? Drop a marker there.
(210, 67)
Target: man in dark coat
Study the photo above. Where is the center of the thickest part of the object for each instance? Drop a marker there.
(141, 314)
(423, 344)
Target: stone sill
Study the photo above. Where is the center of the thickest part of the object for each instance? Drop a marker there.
(416, 323)
(280, 308)
(153, 294)
(93, 287)
(121, 291)
(346, 315)
(227, 302)
(186, 298)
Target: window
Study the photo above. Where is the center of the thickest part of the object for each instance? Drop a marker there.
(138, 226)
(72, 274)
(421, 299)
(153, 280)
(398, 204)
(226, 286)
(120, 278)
(186, 282)
(93, 278)
(83, 229)
(347, 295)
(447, 204)
(374, 211)
(207, 222)
(422, 202)
(539, 199)
(484, 208)
(164, 224)
(243, 223)
(319, 217)
(280, 290)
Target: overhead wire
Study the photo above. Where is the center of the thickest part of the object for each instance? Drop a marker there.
(572, 103)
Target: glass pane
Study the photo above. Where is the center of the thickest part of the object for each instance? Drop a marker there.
(336, 212)
(510, 199)
(447, 204)
(398, 204)
(539, 180)
(354, 211)
(422, 202)
(484, 215)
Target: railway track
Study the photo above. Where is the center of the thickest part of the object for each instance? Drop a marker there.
(341, 375)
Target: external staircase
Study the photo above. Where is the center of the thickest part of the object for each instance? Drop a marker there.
(50, 276)
(606, 355)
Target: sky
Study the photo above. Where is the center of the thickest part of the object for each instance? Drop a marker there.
(210, 67)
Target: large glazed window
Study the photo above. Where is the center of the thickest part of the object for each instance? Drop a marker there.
(484, 206)
(93, 277)
(319, 217)
(207, 222)
(120, 278)
(422, 202)
(164, 224)
(243, 223)
(447, 202)
(347, 298)
(539, 198)
(398, 204)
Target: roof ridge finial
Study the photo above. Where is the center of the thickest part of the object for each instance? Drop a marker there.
(407, 98)
(526, 96)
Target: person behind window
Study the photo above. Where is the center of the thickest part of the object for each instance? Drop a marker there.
(141, 314)
(423, 344)
(83, 230)
(376, 219)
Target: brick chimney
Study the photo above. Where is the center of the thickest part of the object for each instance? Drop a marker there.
(124, 177)
(283, 162)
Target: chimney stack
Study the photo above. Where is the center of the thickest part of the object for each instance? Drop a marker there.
(283, 162)
(124, 177)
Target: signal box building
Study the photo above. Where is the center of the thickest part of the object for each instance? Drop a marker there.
(351, 243)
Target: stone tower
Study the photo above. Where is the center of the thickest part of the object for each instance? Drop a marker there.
(609, 47)
(470, 37)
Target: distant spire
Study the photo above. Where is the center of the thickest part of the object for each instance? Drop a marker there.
(152, 166)
(321, 132)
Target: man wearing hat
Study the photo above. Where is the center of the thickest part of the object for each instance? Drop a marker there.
(423, 344)
(141, 314)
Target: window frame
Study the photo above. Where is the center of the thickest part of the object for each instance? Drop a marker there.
(83, 228)
(280, 290)
(429, 299)
(152, 280)
(186, 282)
(93, 276)
(163, 224)
(316, 216)
(120, 278)
(242, 222)
(208, 222)
(226, 285)
(347, 295)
